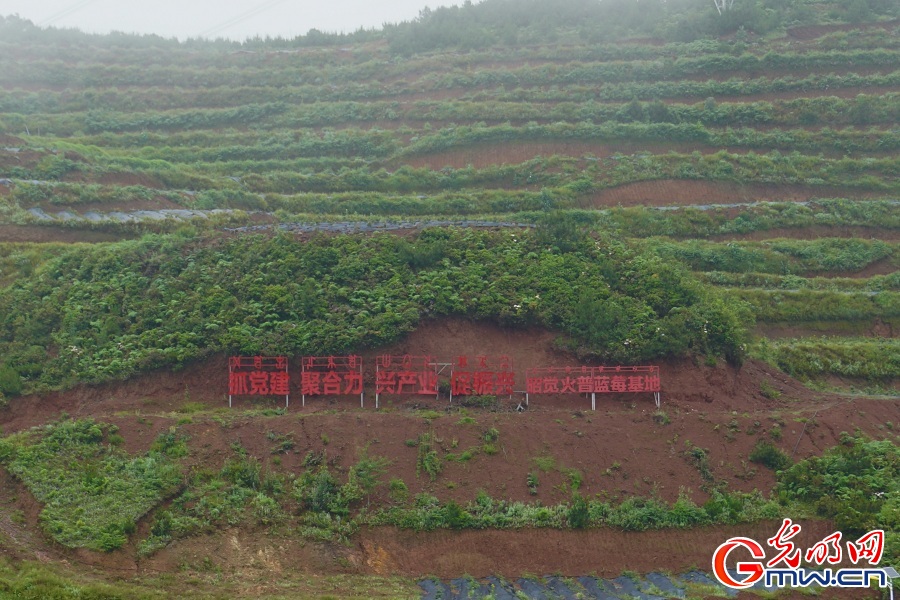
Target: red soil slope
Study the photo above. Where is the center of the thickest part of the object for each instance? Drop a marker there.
(623, 449)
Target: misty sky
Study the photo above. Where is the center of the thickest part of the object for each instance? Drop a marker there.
(234, 19)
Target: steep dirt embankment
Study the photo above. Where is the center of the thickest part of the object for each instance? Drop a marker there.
(624, 448)
(719, 388)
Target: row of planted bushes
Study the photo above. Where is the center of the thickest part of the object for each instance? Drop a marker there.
(690, 222)
(283, 112)
(873, 359)
(876, 283)
(879, 174)
(207, 107)
(102, 119)
(780, 257)
(782, 306)
(56, 72)
(735, 87)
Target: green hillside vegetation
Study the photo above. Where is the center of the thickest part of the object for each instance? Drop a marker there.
(648, 181)
(774, 117)
(95, 506)
(93, 493)
(111, 311)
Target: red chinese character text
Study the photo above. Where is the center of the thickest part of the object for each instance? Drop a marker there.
(279, 383)
(385, 382)
(310, 383)
(428, 382)
(780, 542)
(483, 383)
(869, 547)
(505, 382)
(551, 384)
(259, 383)
(237, 383)
(409, 379)
(331, 384)
(353, 382)
(461, 383)
(828, 549)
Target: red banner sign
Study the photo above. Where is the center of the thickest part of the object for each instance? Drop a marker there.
(409, 374)
(591, 380)
(258, 376)
(482, 376)
(405, 374)
(331, 376)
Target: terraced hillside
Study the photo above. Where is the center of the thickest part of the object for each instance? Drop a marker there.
(774, 157)
(601, 183)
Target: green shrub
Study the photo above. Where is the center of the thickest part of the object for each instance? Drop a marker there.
(243, 471)
(10, 381)
(768, 455)
(319, 492)
(366, 304)
(457, 517)
(578, 515)
(852, 483)
(398, 491)
(266, 509)
(491, 435)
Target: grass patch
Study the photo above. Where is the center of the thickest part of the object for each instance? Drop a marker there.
(544, 463)
(427, 459)
(93, 493)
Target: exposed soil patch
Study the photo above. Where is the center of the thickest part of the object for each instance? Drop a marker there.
(620, 450)
(20, 536)
(446, 554)
(885, 266)
(515, 553)
(19, 158)
(11, 141)
(676, 192)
